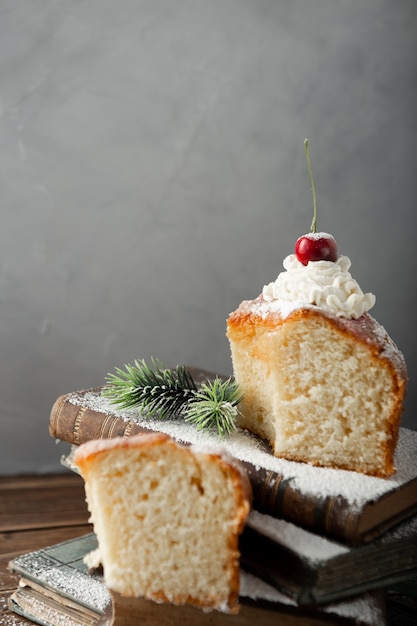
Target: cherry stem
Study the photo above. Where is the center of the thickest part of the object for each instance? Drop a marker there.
(313, 227)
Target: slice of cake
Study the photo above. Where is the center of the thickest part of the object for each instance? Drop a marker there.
(167, 519)
(323, 381)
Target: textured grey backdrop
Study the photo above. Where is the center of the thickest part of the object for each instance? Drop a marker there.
(152, 175)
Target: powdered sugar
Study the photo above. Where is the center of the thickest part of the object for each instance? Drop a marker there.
(256, 589)
(308, 545)
(356, 488)
(402, 531)
(283, 307)
(364, 608)
(70, 581)
(365, 329)
(49, 614)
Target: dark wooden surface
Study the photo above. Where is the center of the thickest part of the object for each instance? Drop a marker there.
(35, 512)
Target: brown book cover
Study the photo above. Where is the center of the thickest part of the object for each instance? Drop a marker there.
(348, 506)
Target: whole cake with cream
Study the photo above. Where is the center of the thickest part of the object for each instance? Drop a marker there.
(323, 381)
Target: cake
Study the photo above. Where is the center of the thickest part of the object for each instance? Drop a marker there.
(323, 381)
(167, 518)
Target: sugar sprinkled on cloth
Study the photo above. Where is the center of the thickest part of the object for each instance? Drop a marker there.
(356, 488)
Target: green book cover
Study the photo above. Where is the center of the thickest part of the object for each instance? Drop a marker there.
(56, 586)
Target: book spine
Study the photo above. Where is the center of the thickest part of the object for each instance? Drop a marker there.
(276, 496)
(272, 494)
(76, 424)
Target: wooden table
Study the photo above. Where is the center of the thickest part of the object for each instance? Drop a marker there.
(38, 511)
(35, 512)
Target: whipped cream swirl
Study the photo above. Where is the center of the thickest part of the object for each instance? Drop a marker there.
(325, 284)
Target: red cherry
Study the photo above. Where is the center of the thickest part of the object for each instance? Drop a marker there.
(316, 247)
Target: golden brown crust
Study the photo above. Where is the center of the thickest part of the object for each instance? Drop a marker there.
(88, 452)
(249, 317)
(388, 471)
(257, 318)
(243, 496)
(90, 449)
(242, 485)
(361, 469)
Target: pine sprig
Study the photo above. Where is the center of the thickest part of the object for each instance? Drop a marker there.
(214, 405)
(163, 393)
(159, 391)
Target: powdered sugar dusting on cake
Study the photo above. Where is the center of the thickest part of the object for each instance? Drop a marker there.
(365, 328)
(356, 488)
(284, 308)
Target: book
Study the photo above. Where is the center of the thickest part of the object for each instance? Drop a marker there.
(56, 588)
(313, 569)
(350, 507)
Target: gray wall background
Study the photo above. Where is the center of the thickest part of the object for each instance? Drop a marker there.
(152, 175)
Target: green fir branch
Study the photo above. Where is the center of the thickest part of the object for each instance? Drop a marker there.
(214, 406)
(163, 393)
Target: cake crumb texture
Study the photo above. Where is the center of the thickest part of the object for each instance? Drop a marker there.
(324, 391)
(167, 519)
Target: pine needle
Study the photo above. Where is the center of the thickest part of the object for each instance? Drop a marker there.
(215, 406)
(163, 393)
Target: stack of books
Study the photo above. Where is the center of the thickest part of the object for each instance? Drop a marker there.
(321, 546)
